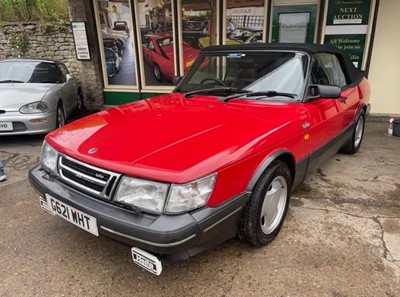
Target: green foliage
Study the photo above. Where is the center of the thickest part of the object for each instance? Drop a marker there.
(33, 10)
(20, 43)
(60, 25)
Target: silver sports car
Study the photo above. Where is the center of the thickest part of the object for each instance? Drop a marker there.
(36, 96)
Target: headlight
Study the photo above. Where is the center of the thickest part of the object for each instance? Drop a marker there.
(49, 158)
(146, 195)
(35, 107)
(190, 196)
(151, 196)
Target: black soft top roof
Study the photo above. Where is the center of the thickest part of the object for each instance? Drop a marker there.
(354, 75)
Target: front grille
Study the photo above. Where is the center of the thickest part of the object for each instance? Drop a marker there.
(88, 178)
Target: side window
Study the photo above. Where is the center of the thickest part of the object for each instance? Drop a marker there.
(326, 70)
(318, 75)
(151, 45)
(45, 73)
(64, 71)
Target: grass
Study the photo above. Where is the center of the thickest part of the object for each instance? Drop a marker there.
(33, 10)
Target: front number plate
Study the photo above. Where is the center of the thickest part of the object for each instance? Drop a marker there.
(72, 215)
(147, 261)
(6, 126)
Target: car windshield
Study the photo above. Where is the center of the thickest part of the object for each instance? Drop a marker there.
(28, 72)
(243, 72)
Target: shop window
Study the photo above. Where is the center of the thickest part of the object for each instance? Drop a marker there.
(244, 21)
(157, 42)
(199, 23)
(116, 42)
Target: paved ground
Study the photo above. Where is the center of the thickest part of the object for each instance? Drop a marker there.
(341, 238)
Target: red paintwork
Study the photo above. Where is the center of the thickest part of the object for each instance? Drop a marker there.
(165, 57)
(175, 139)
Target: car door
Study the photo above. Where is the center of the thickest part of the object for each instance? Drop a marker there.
(69, 89)
(349, 100)
(328, 116)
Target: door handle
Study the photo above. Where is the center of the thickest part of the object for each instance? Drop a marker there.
(343, 99)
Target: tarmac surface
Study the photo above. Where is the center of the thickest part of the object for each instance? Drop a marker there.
(341, 238)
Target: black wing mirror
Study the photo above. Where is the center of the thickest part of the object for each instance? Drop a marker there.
(323, 91)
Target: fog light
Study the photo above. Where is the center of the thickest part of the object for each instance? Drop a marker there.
(38, 121)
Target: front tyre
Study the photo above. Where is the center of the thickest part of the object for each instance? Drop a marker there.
(353, 145)
(60, 121)
(79, 102)
(266, 210)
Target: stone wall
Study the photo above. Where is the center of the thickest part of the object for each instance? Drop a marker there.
(34, 41)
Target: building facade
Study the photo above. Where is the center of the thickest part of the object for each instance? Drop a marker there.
(136, 47)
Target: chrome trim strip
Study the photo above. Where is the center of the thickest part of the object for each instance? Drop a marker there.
(221, 220)
(87, 165)
(149, 242)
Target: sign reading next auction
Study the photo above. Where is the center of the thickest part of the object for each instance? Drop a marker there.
(348, 12)
(80, 40)
(347, 26)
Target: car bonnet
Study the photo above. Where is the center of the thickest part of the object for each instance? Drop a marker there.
(171, 138)
(14, 96)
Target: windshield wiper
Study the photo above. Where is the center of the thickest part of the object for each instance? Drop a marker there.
(215, 89)
(259, 94)
(11, 81)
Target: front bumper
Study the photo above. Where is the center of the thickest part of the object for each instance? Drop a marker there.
(173, 237)
(29, 123)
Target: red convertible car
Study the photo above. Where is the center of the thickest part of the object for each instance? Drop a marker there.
(176, 174)
(158, 52)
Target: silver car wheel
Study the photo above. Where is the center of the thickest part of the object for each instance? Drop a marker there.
(359, 131)
(79, 105)
(60, 116)
(266, 209)
(273, 207)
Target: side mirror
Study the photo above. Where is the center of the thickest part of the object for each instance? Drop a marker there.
(70, 77)
(323, 91)
(176, 80)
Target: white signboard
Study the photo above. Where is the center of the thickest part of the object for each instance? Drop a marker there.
(293, 27)
(81, 41)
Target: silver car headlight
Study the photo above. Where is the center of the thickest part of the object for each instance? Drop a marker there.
(49, 158)
(143, 194)
(183, 198)
(35, 107)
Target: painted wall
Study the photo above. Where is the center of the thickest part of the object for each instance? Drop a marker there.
(384, 74)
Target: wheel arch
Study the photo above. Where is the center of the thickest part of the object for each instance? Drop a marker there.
(362, 107)
(282, 155)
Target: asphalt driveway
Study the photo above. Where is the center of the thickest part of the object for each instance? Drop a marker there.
(341, 238)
